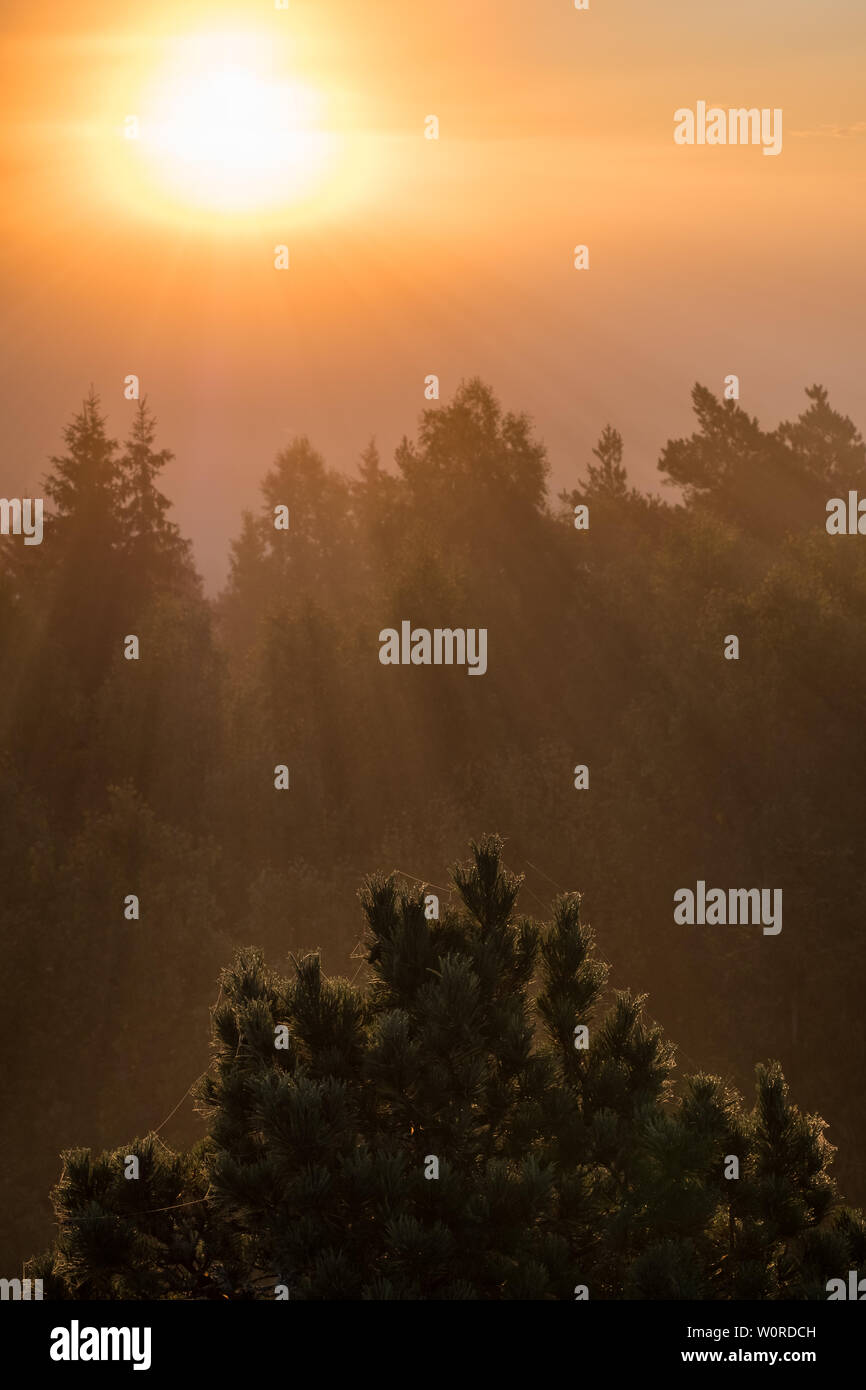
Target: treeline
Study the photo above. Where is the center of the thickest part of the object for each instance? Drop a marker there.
(155, 777)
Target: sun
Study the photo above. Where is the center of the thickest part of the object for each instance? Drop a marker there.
(222, 129)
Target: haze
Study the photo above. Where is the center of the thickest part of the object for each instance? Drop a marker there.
(411, 256)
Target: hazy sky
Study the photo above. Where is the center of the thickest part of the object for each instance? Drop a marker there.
(411, 256)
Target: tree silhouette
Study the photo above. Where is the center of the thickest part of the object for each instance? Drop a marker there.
(157, 555)
(440, 1134)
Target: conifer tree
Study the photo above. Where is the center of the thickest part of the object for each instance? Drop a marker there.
(443, 1133)
(380, 513)
(826, 443)
(81, 580)
(158, 556)
(84, 483)
(608, 476)
(766, 483)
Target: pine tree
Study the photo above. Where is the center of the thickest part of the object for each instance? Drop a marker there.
(442, 1134)
(826, 443)
(608, 476)
(766, 483)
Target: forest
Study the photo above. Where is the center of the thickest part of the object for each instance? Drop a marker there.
(153, 779)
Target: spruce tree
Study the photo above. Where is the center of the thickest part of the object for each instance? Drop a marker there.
(84, 483)
(84, 580)
(158, 556)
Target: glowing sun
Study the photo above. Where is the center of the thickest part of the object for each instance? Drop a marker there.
(221, 130)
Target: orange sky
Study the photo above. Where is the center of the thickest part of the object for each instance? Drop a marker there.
(411, 256)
